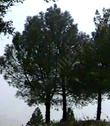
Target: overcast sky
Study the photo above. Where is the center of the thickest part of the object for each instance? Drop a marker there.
(13, 111)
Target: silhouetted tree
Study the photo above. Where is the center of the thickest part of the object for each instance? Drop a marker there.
(36, 119)
(65, 38)
(31, 63)
(78, 77)
(70, 115)
(6, 26)
(93, 67)
(101, 39)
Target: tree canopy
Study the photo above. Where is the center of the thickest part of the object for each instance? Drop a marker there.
(6, 26)
(31, 62)
(52, 58)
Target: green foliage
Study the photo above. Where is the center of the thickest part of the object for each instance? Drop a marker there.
(5, 4)
(36, 119)
(102, 48)
(79, 77)
(70, 115)
(94, 60)
(31, 62)
(6, 26)
(81, 123)
(50, 57)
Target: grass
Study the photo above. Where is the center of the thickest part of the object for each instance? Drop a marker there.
(82, 123)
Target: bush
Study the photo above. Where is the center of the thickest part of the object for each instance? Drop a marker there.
(36, 119)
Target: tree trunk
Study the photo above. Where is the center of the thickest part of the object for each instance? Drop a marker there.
(99, 101)
(47, 114)
(64, 101)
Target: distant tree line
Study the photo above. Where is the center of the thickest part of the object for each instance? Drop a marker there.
(51, 62)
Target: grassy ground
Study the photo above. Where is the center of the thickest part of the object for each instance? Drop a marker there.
(83, 123)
